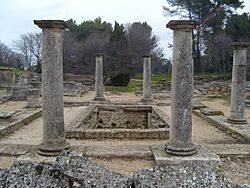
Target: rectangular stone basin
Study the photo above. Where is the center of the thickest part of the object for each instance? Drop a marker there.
(119, 122)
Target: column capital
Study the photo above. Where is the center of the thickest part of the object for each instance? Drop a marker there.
(147, 55)
(99, 54)
(182, 25)
(59, 24)
(241, 45)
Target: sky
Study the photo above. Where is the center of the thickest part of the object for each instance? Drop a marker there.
(17, 15)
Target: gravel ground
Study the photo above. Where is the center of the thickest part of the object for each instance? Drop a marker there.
(237, 171)
(203, 133)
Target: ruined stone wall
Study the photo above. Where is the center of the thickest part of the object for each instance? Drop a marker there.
(7, 77)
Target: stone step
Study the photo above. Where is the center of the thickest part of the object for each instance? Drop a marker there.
(230, 150)
(135, 151)
(240, 132)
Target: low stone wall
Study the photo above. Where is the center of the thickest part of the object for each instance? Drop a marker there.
(119, 122)
(131, 134)
(7, 80)
(215, 89)
(7, 77)
(19, 120)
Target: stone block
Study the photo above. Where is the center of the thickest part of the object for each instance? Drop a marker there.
(202, 155)
(163, 133)
(211, 111)
(7, 77)
(197, 106)
(69, 88)
(6, 115)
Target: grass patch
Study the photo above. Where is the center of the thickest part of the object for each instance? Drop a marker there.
(206, 75)
(137, 80)
(154, 77)
(123, 89)
(19, 72)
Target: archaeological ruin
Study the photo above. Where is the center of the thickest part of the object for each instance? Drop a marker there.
(59, 130)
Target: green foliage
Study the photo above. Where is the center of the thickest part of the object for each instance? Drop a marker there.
(86, 28)
(122, 49)
(154, 77)
(208, 75)
(118, 34)
(212, 14)
(19, 72)
(238, 27)
(121, 79)
(123, 89)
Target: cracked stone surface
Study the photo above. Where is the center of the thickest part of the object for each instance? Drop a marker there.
(88, 174)
(180, 176)
(25, 174)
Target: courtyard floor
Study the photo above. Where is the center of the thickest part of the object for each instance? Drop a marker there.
(204, 134)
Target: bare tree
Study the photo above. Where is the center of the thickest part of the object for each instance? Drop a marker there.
(10, 58)
(30, 46)
(219, 54)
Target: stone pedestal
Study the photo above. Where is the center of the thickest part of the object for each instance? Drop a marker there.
(180, 142)
(33, 98)
(99, 87)
(147, 95)
(69, 89)
(52, 87)
(237, 114)
(7, 80)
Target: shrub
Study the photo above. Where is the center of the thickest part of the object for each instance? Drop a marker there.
(121, 79)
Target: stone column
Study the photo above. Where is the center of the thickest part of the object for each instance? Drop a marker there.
(237, 114)
(147, 96)
(52, 87)
(180, 142)
(99, 87)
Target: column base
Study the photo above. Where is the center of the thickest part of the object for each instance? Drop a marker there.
(99, 99)
(234, 120)
(33, 106)
(201, 156)
(147, 101)
(184, 150)
(52, 149)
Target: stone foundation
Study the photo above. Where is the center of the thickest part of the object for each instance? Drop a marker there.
(119, 122)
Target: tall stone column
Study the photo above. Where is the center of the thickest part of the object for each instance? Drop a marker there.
(237, 114)
(99, 87)
(52, 87)
(180, 142)
(147, 95)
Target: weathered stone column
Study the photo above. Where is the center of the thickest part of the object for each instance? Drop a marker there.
(99, 87)
(180, 142)
(52, 87)
(237, 114)
(147, 96)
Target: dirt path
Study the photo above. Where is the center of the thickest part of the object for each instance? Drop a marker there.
(12, 106)
(224, 106)
(33, 132)
(204, 133)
